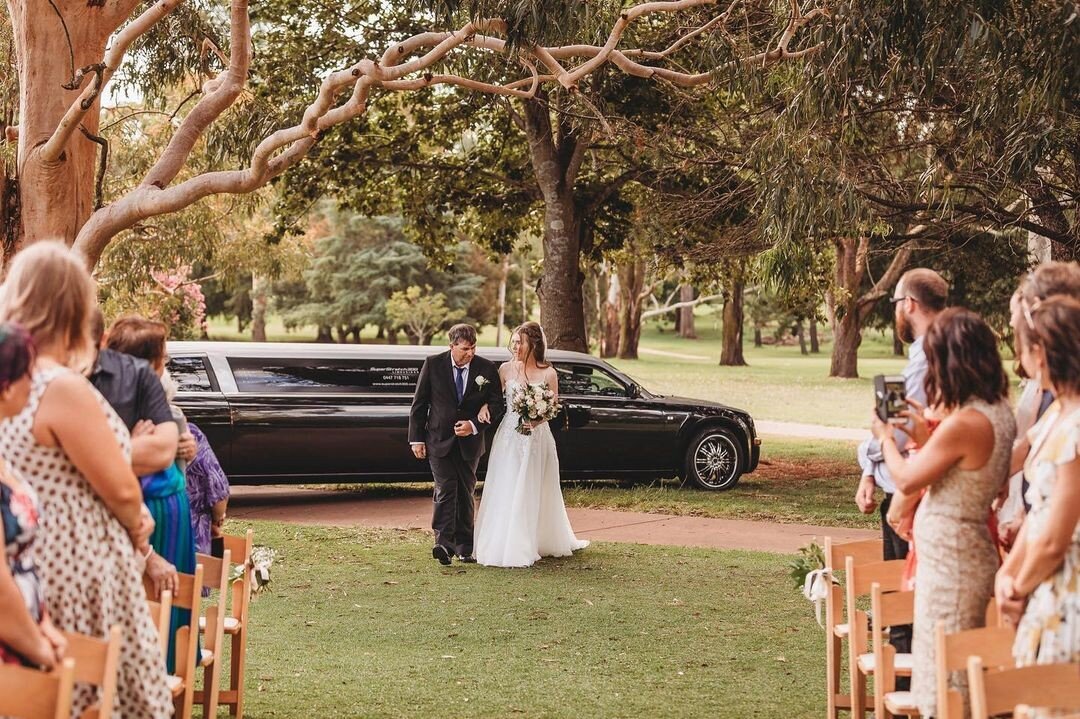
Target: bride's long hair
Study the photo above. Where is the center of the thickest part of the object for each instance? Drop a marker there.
(534, 333)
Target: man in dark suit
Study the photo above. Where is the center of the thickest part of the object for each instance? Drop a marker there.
(444, 429)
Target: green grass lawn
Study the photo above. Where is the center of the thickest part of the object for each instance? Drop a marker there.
(798, 481)
(778, 382)
(363, 623)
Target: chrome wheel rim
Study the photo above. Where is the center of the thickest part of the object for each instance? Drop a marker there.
(715, 461)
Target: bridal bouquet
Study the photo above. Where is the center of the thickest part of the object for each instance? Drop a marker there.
(533, 403)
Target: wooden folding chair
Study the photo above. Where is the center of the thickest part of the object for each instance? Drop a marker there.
(889, 609)
(858, 580)
(952, 651)
(1001, 691)
(836, 625)
(236, 622)
(96, 663)
(160, 611)
(32, 694)
(215, 576)
(182, 684)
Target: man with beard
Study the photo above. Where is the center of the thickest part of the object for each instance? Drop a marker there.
(919, 297)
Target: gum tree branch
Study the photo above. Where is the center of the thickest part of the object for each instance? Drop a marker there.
(404, 66)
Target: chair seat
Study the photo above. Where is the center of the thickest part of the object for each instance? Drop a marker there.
(900, 703)
(903, 664)
(206, 657)
(232, 625)
(840, 630)
(175, 684)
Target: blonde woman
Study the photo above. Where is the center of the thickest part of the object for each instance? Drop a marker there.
(74, 451)
(1041, 576)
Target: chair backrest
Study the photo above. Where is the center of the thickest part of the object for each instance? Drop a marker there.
(1000, 691)
(33, 694)
(836, 553)
(215, 576)
(863, 552)
(96, 662)
(188, 596)
(240, 547)
(160, 612)
(952, 651)
(859, 578)
(887, 609)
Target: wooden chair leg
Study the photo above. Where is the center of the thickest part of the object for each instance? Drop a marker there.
(832, 673)
(238, 662)
(857, 642)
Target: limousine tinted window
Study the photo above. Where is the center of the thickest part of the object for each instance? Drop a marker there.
(266, 376)
(585, 380)
(190, 374)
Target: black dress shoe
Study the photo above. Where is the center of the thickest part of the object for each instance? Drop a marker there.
(439, 552)
(466, 560)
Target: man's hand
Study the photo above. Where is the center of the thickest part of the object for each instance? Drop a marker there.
(186, 448)
(142, 427)
(463, 428)
(864, 496)
(419, 450)
(484, 415)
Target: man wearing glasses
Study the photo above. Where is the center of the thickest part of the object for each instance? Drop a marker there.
(920, 296)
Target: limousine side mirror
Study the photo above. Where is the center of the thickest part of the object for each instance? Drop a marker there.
(633, 392)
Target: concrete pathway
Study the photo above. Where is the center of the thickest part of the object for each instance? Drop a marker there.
(344, 509)
(810, 431)
(673, 355)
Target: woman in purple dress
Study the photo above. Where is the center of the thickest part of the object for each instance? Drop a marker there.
(208, 491)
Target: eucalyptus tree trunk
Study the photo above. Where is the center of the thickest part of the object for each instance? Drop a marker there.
(55, 195)
(731, 351)
(610, 312)
(259, 299)
(686, 314)
(849, 306)
(562, 309)
(631, 286)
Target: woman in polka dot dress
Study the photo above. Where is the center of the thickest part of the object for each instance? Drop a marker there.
(75, 453)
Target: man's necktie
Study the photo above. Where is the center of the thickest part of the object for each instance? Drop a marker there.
(460, 383)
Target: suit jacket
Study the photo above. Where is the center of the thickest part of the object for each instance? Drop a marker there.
(435, 408)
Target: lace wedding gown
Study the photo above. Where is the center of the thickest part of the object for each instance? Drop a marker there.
(522, 516)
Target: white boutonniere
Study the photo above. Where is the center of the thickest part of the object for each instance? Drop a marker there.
(482, 381)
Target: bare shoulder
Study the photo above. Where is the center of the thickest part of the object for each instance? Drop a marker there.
(71, 388)
(967, 424)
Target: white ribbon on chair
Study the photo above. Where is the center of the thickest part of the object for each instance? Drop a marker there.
(816, 589)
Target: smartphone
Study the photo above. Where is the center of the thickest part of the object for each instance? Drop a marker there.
(890, 396)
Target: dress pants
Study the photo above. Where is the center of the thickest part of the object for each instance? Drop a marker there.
(455, 501)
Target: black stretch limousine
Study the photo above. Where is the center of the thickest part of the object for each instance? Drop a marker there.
(295, 413)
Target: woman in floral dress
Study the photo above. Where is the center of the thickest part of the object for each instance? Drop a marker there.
(75, 452)
(1041, 577)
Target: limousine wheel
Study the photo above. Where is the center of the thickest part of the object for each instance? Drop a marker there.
(712, 460)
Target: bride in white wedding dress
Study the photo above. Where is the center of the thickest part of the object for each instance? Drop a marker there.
(522, 516)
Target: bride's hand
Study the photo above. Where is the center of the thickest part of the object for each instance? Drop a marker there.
(484, 415)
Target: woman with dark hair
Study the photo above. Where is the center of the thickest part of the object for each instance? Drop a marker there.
(27, 634)
(962, 467)
(1043, 569)
(522, 516)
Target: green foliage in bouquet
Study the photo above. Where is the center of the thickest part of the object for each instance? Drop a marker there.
(811, 557)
